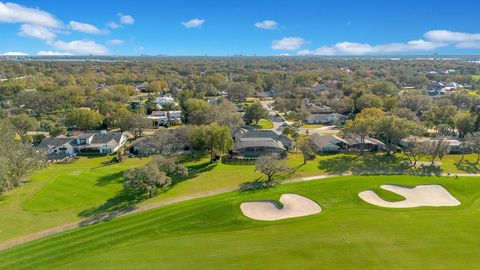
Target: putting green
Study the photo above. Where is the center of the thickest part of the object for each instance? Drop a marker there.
(212, 233)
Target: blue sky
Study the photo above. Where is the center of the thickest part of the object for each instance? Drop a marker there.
(124, 27)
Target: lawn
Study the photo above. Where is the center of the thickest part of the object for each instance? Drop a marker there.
(212, 233)
(476, 77)
(311, 126)
(264, 124)
(67, 193)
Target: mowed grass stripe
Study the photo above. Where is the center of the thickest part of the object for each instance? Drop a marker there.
(124, 228)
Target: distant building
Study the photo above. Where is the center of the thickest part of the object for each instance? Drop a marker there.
(165, 118)
(326, 119)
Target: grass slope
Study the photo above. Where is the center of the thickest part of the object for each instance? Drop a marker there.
(211, 233)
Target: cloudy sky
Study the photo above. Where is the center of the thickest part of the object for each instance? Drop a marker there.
(113, 27)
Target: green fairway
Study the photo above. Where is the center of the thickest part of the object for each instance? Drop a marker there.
(212, 233)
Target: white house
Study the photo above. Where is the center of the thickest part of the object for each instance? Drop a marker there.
(60, 146)
(328, 118)
(160, 118)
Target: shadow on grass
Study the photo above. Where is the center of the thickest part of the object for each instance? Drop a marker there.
(110, 178)
(368, 163)
(257, 184)
(120, 204)
(468, 167)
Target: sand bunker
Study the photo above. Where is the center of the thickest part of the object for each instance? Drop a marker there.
(293, 206)
(423, 195)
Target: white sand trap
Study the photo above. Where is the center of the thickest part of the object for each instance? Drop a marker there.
(423, 195)
(293, 206)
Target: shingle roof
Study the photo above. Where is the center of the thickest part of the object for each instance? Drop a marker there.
(54, 142)
(258, 142)
(321, 140)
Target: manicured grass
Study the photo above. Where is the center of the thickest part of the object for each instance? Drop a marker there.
(68, 193)
(476, 77)
(212, 233)
(264, 124)
(76, 186)
(311, 126)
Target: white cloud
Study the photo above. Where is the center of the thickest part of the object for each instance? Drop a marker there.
(52, 53)
(115, 42)
(113, 25)
(266, 24)
(288, 43)
(84, 27)
(469, 45)
(15, 54)
(84, 47)
(14, 13)
(449, 36)
(193, 23)
(36, 31)
(126, 19)
(354, 48)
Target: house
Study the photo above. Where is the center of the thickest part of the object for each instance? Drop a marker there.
(255, 147)
(369, 144)
(441, 88)
(165, 118)
(164, 100)
(254, 143)
(456, 146)
(328, 143)
(59, 146)
(326, 119)
(286, 142)
(102, 143)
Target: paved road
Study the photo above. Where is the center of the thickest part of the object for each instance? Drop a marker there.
(274, 116)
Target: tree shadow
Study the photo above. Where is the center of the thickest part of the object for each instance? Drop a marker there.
(118, 205)
(426, 170)
(368, 163)
(110, 178)
(257, 184)
(337, 165)
(468, 167)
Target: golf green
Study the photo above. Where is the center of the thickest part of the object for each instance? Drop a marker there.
(212, 233)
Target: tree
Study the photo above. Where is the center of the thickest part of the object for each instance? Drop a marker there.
(436, 149)
(197, 112)
(214, 137)
(17, 159)
(226, 114)
(170, 166)
(84, 119)
(23, 123)
(158, 86)
(343, 105)
(120, 118)
(304, 144)
(271, 165)
(384, 88)
(239, 91)
(368, 101)
(464, 123)
(358, 130)
(136, 124)
(413, 151)
(145, 180)
(473, 141)
(392, 129)
(254, 112)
